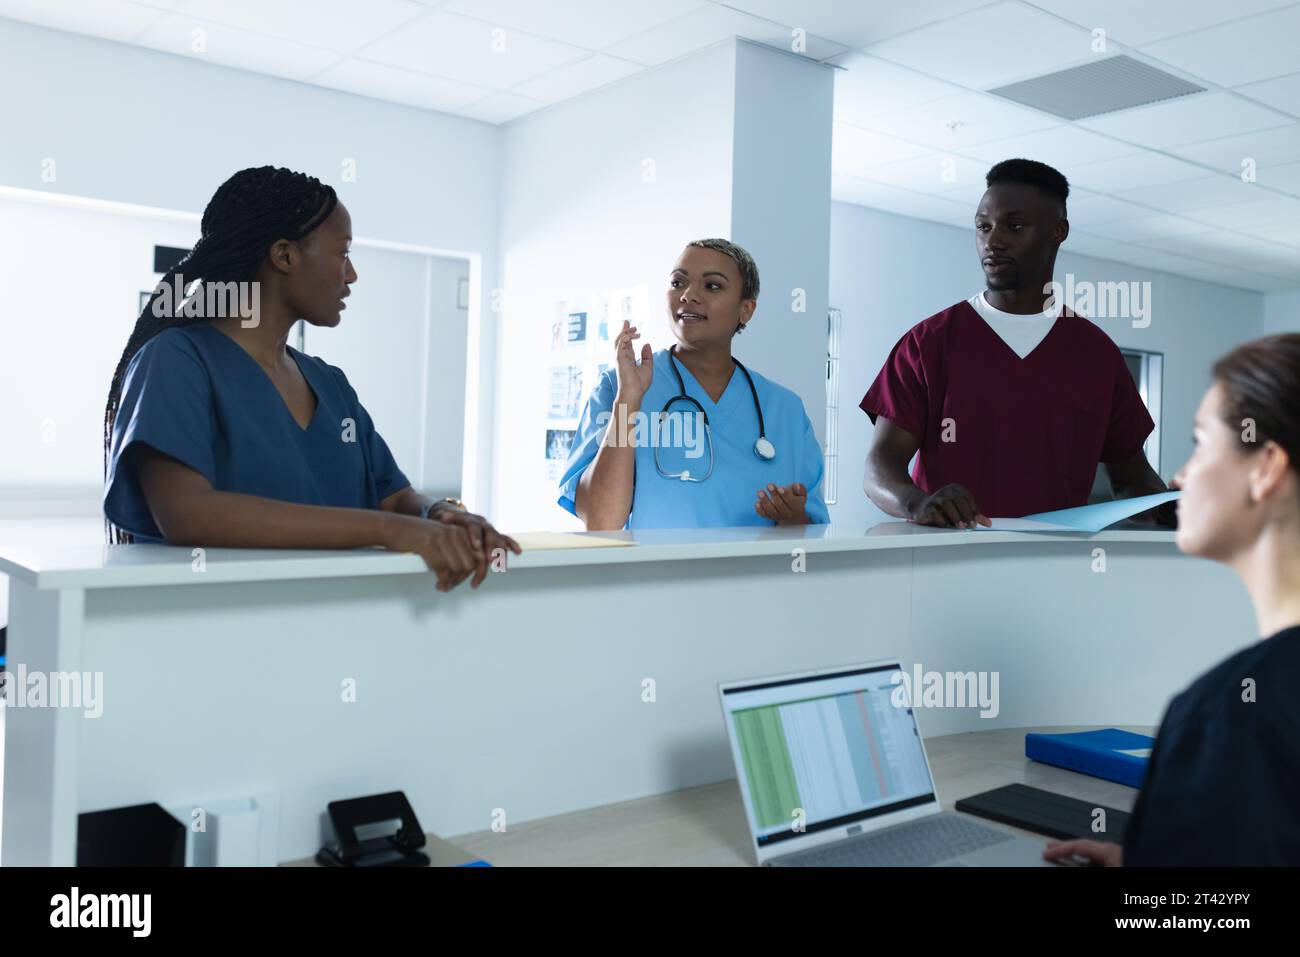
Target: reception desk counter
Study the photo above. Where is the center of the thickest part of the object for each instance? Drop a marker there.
(578, 677)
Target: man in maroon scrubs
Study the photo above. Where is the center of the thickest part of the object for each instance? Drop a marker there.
(1011, 399)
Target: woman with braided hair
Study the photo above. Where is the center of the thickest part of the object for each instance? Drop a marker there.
(218, 433)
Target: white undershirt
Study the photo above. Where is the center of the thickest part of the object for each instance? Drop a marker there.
(1022, 333)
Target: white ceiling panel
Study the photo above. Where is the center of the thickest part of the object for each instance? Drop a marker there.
(1133, 172)
(110, 19)
(1080, 242)
(854, 24)
(332, 24)
(1063, 146)
(229, 46)
(1247, 216)
(1150, 227)
(958, 121)
(400, 86)
(1285, 178)
(1136, 22)
(471, 51)
(576, 78)
(868, 86)
(501, 108)
(1216, 190)
(1253, 48)
(1088, 209)
(1282, 93)
(990, 46)
(1187, 120)
(1267, 148)
(854, 150)
(1286, 233)
(853, 189)
(593, 24)
(707, 26)
(935, 173)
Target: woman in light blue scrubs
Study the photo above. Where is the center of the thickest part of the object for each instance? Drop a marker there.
(688, 437)
(218, 433)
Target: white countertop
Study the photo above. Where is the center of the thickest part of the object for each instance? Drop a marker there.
(52, 554)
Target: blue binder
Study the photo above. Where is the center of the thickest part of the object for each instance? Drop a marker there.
(1103, 754)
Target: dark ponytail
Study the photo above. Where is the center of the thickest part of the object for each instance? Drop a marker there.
(250, 211)
(1261, 382)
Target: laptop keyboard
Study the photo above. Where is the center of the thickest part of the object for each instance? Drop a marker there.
(915, 844)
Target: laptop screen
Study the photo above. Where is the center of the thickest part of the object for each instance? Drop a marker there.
(823, 751)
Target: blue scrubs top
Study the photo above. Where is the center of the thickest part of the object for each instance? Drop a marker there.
(193, 393)
(727, 497)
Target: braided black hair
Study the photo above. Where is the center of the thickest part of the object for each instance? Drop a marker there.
(253, 209)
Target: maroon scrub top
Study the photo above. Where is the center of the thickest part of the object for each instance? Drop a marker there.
(1025, 435)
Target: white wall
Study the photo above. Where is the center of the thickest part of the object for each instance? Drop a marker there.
(1281, 312)
(602, 192)
(889, 272)
(134, 125)
(781, 213)
(599, 193)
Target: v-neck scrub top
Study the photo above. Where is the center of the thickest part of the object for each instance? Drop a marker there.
(193, 393)
(727, 496)
(1024, 435)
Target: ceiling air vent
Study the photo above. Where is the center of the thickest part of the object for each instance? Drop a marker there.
(1115, 83)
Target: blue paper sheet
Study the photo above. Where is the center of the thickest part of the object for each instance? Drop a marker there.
(1085, 518)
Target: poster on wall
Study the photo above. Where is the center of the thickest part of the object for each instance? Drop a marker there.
(566, 393)
(558, 443)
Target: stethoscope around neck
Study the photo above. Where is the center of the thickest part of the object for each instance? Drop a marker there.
(762, 447)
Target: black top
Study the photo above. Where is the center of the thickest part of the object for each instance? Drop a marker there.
(1222, 787)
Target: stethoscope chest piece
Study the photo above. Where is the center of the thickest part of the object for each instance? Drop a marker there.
(764, 449)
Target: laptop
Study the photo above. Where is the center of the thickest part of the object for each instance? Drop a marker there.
(833, 773)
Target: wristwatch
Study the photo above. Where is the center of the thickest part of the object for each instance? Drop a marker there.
(427, 510)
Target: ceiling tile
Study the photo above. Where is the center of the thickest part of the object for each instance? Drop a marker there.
(1138, 23)
(1133, 172)
(868, 86)
(593, 24)
(1247, 216)
(1285, 178)
(1287, 233)
(1061, 146)
(1215, 190)
(852, 189)
(707, 26)
(1079, 242)
(568, 81)
(1150, 227)
(854, 150)
(1186, 120)
(400, 86)
(1266, 148)
(854, 24)
(228, 46)
(1254, 48)
(471, 51)
(1238, 278)
(1223, 247)
(1282, 93)
(332, 24)
(958, 121)
(990, 46)
(933, 173)
(501, 108)
(863, 192)
(1088, 210)
(110, 19)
